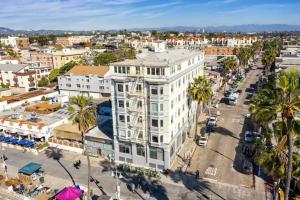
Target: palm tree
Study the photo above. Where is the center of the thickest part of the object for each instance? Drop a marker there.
(201, 92)
(230, 64)
(268, 58)
(56, 154)
(243, 54)
(85, 119)
(256, 46)
(284, 101)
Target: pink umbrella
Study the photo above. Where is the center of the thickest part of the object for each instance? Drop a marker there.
(69, 193)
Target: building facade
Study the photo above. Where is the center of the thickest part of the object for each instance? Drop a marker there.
(22, 77)
(219, 51)
(90, 81)
(43, 58)
(63, 57)
(151, 108)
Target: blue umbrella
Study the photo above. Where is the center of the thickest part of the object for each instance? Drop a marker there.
(1, 137)
(14, 141)
(22, 142)
(6, 139)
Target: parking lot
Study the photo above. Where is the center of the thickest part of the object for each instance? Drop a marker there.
(221, 159)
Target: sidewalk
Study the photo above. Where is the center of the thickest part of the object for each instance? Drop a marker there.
(187, 150)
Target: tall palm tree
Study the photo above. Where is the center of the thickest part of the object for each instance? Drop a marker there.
(56, 154)
(268, 58)
(243, 54)
(85, 119)
(230, 64)
(284, 101)
(201, 92)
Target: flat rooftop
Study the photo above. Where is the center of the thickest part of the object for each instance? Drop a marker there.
(165, 58)
(19, 113)
(104, 132)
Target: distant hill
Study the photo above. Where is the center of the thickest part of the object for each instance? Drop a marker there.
(237, 28)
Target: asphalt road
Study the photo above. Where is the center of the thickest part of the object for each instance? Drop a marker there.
(221, 159)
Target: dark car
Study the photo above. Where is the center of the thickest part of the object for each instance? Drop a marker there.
(209, 129)
(248, 150)
(247, 166)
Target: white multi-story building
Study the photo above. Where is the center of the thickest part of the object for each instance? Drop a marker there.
(90, 81)
(152, 111)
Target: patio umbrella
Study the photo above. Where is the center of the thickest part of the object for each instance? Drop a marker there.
(69, 193)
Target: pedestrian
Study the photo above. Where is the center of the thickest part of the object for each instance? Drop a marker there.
(197, 174)
(5, 168)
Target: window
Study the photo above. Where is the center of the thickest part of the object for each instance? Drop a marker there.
(172, 120)
(156, 153)
(161, 139)
(120, 88)
(155, 138)
(154, 122)
(140, 119)
(138, 87)
(126, 88)
(161, 123)
(78, 85)
(148, 71)
(172, 88)
(162, 71)
(88, 87)
(154, 107)
(157, 71)
(178, 67)
(154, 91)
(121, 104)
(137, 70)
(172, 104)
(127, 104)
(125, 148)
(128, 118)
(116, 69)
(122, 118)
(140, 150)
(152, 71)
(161, 90)
(139, 104)
(161, 107)
(68, 85)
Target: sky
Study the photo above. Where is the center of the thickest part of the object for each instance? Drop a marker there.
(121, 14)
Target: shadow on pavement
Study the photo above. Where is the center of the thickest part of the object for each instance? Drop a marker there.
(225, 132)
(190, 182)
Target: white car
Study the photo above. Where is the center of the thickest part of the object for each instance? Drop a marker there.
(212, 121)
(203, 140)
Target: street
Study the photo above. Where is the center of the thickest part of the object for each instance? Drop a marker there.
(221, 159)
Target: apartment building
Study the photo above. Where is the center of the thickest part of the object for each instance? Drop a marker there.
(72, 40)
(16, 42)
(21, 77)
(218, 51)
(42, 58)
(152, 111)
(62, 57)
(90, 81)
(233, 42)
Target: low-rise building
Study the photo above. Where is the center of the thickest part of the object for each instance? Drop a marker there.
(16, 42)
(62, 57)
(85, 80)
(21, 77)
(218, 51)
(72, 40)
(43, 58)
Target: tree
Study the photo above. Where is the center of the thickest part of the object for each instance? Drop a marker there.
(105, 59)
(53, 75)
(243, 54)
(230, 64)
(201, 92)
(85, 119)
(268, 58)
(282, 99)
(44, 82)
(67, 67)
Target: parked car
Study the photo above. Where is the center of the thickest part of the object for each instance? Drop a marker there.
(249, 136)
(247, 166)
(209, 129)
(232, 101)
(202, 141)
(212, 121)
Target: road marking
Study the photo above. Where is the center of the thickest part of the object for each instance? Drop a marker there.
(211, 171)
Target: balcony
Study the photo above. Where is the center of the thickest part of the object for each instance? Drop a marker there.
(135, 93)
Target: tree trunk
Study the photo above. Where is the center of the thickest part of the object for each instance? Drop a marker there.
(276, 189)
(67, 172)
(197, 116)
(289, 167)
(89, 174)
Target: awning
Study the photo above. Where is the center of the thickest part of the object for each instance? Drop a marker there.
(30, 168)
